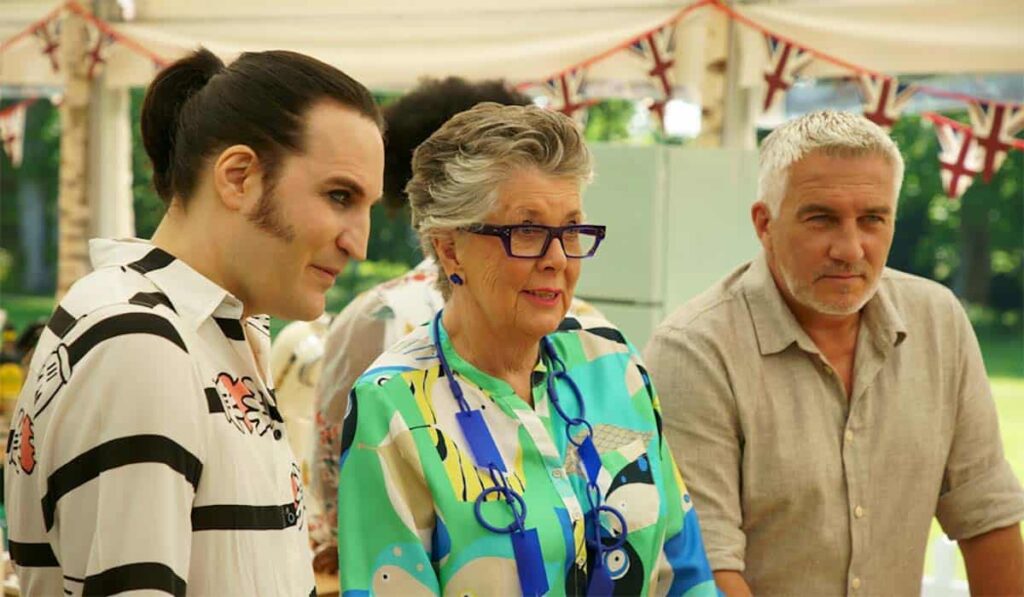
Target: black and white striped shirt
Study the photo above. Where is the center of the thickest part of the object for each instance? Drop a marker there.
(146, 451)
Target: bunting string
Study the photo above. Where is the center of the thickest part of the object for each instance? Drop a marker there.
(968, 151)
(46, 30)
(48, 34)
(115, 35)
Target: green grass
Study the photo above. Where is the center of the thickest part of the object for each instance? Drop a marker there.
(1009, 394)
(1009, 397)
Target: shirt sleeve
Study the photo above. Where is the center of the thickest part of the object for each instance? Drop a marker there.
(683, 568)
(121, 460)
(354, 340)
(385, 509)
(979, 492)
(701, 421)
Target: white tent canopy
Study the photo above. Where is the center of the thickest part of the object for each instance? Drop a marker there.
(390, 44)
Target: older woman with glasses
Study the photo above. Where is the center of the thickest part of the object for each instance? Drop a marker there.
(503, 448)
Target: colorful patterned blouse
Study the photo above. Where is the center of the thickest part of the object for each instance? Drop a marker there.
(408, 482)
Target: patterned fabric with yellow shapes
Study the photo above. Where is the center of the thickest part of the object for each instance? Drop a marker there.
(408, 483)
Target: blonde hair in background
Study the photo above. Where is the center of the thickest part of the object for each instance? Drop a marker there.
(456, 172)
(838, 134)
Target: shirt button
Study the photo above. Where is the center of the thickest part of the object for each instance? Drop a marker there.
(557, 473)
(855, 583)
(859, 513)
(848, 435)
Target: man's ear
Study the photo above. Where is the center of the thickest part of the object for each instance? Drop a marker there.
(447, 254)
(238, 177)
(761, 216)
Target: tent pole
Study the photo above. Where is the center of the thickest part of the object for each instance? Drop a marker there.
(712, 85)
(110, 151)
(73, 207)
(741, 103)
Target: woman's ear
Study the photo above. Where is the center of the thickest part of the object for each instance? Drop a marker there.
(447, 254)
(238, 177)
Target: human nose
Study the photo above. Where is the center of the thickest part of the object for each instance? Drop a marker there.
(847, 245)
(554, 257)
(355, 235)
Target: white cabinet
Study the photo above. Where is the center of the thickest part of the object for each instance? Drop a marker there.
(678, 221)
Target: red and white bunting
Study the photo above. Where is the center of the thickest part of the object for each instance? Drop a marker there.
(12, 131)
(48, 35)
(960, 159)
(884, 98)
(785, 61)
(994, 126)
(566, 93)
(657, 49)
(99, 46)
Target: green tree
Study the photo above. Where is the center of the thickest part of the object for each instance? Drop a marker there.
(974, 245)
(39, 169)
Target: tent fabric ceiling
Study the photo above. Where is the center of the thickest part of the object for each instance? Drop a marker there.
(390, 44)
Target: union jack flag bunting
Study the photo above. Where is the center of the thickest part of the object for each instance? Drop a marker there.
(566, 92)
(657, 49)
(99, 48)
(785, 61)
(48, 34)
(960, 159)
(994, 126)
(885, 98)
(12, 131)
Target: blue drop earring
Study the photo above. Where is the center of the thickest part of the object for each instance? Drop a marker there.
(456, 279)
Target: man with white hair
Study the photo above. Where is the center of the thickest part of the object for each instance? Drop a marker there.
(825, 407)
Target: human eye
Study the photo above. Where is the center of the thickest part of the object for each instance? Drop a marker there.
(340, 196)
(531, 231)
(819, 219)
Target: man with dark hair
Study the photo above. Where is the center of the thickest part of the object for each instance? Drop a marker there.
(147, 452)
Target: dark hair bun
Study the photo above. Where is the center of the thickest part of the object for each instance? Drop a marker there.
(197, 107)
(165, 98)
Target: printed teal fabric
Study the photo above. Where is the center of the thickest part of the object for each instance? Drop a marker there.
(408, 483)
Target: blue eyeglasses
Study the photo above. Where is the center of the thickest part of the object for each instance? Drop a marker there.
(530, 241)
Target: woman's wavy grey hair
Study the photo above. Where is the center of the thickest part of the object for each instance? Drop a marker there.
(457, 171)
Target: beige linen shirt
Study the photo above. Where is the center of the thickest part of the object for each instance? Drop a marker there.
(804, 490)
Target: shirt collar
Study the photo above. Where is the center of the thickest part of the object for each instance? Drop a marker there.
(194, 297)
(489, 384)
(882, 319)
(776, 327)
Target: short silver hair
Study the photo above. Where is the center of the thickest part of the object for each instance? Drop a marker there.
(456, 172)
(834, 133)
